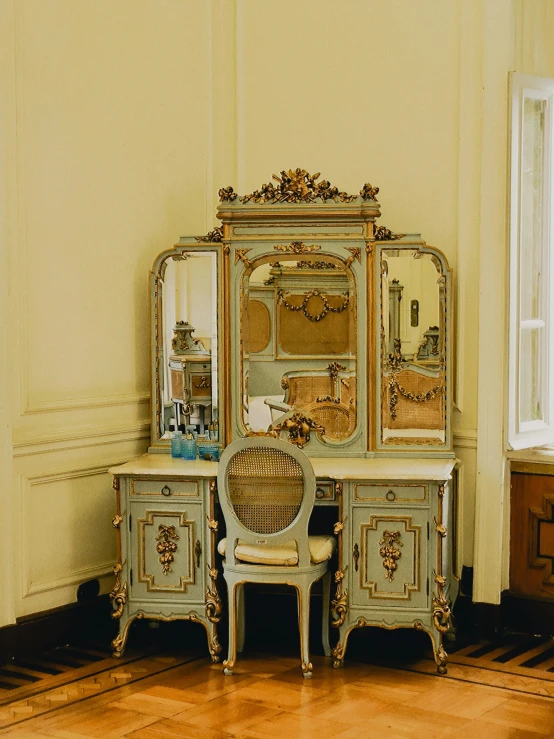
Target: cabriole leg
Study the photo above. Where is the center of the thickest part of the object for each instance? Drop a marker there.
(304, 624)
(229, 663)
(326, 600)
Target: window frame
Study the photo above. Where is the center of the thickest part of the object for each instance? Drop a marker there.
(523, 434)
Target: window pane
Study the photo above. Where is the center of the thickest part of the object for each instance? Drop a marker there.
(530, 373)
(532, 200)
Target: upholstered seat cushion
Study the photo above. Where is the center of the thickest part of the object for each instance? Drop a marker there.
(321, 548)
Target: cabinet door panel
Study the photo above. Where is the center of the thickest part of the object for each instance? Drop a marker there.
(390, 562)
(166, 551)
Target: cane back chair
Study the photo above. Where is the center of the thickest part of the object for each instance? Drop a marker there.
(266, 490)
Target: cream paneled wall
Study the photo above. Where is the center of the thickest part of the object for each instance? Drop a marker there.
(105, 158)
(121, 122)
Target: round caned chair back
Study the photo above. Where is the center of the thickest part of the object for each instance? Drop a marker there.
(265, 488)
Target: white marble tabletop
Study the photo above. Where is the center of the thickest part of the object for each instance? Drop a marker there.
(334, 468)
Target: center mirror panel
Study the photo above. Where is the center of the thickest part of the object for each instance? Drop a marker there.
(299, 344)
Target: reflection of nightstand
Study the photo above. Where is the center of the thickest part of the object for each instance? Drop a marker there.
(191, 384)
(190, 370)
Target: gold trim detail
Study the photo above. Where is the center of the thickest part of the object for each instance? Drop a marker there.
(214, 606)
(227, 194)
(296, 186)
(299, 427)
(116, 520)
(355, 255)
(212, 236)
(338, 654)
(339, 604)
(412, 440)
(166, 546)
(241, 254)
(115, 483)
(369, 193)
(382, 233)
(297, 247)
(315, 265)
(214, 648)
(118, 594)
(389, 553)
(410, 529)
(441, 612)
(314, 318)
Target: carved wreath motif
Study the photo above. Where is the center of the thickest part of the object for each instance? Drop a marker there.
(315, 318)
(389, 553)
(166, 546)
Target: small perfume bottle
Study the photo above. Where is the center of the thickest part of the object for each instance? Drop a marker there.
(188, 447)
(176, 437)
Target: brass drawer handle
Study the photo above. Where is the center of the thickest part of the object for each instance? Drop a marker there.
(166, 490)
(390, 496)
(319, 493)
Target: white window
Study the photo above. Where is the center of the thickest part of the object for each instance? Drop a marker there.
(531, 326)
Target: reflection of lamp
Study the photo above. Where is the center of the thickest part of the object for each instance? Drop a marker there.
(183, 342)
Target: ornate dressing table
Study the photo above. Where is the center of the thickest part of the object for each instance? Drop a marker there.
(334, 333)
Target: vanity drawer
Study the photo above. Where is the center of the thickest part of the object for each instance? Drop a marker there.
(164, 487)
(393, 493)
(324, 490)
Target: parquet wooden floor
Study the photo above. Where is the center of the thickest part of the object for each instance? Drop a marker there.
(268, 697)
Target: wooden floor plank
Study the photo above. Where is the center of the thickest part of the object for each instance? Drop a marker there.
(163, 696)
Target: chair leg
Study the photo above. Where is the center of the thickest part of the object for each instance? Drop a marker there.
(326, 586)
(240, 618)
(304, 626)
(229, 663)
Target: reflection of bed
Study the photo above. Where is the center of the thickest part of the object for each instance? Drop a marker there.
(412, 400)
(326, 395)
(259, 412)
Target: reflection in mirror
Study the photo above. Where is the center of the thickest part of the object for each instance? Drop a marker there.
(187, 346)
(413, 347)
(299, 344)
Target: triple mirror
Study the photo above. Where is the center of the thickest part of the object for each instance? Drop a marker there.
(307, 321)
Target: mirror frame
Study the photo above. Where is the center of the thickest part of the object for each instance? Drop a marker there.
(413, 242)
(156, 275)
(248, 256)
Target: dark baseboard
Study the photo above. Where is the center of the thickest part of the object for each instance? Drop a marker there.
(71, 624)
(528, 615)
